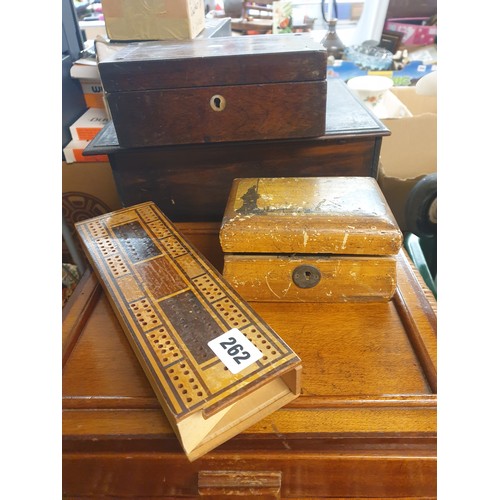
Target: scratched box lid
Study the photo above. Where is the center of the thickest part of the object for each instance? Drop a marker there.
(254, 59)
(309, 215)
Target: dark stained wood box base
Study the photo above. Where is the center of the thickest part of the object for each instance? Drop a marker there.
(192, 182)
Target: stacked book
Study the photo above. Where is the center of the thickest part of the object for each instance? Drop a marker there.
(83, 130)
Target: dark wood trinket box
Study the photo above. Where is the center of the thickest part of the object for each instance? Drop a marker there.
(215, 90)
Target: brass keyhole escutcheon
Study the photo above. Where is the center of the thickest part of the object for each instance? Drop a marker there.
(306, 276)
(217, 103)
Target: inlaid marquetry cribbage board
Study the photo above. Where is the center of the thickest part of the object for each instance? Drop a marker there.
(215, 365)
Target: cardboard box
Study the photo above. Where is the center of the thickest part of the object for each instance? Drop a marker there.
(414, 32)
(73, 152)
(89, 124)
(410, 152)
(88, 190)
(87, 184)
(85, 68)
(93, 93)
(129, 20)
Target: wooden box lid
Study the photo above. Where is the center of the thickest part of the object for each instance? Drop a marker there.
(309, 215)
(255, 59)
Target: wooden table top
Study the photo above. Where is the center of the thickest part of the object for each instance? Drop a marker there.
(367, 407)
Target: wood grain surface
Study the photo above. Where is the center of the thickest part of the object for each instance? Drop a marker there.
(364, 425)
(171, 303)
(282, 278)
(213, 62)
(250, 112)
(217, 90)
(309, 215)
(174, 176)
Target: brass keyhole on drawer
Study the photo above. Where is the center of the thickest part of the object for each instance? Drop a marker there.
(306, 276)
(217, 103)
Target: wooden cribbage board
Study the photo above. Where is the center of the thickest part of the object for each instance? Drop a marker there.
(171, 302)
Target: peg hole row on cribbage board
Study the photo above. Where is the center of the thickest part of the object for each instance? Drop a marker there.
(178, 370)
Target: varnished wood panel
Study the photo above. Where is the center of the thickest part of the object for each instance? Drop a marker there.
(250, 112)
(265, 87)
(204, 62)
(193, 184)
(245, 484)
(280, 278)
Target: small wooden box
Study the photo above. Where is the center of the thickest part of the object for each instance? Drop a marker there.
(317, 239)
(215, 90)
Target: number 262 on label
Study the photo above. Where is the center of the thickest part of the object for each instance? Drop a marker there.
(235, 350)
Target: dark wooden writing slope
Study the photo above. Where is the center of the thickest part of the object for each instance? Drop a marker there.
(191, 182)
(363, 426)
